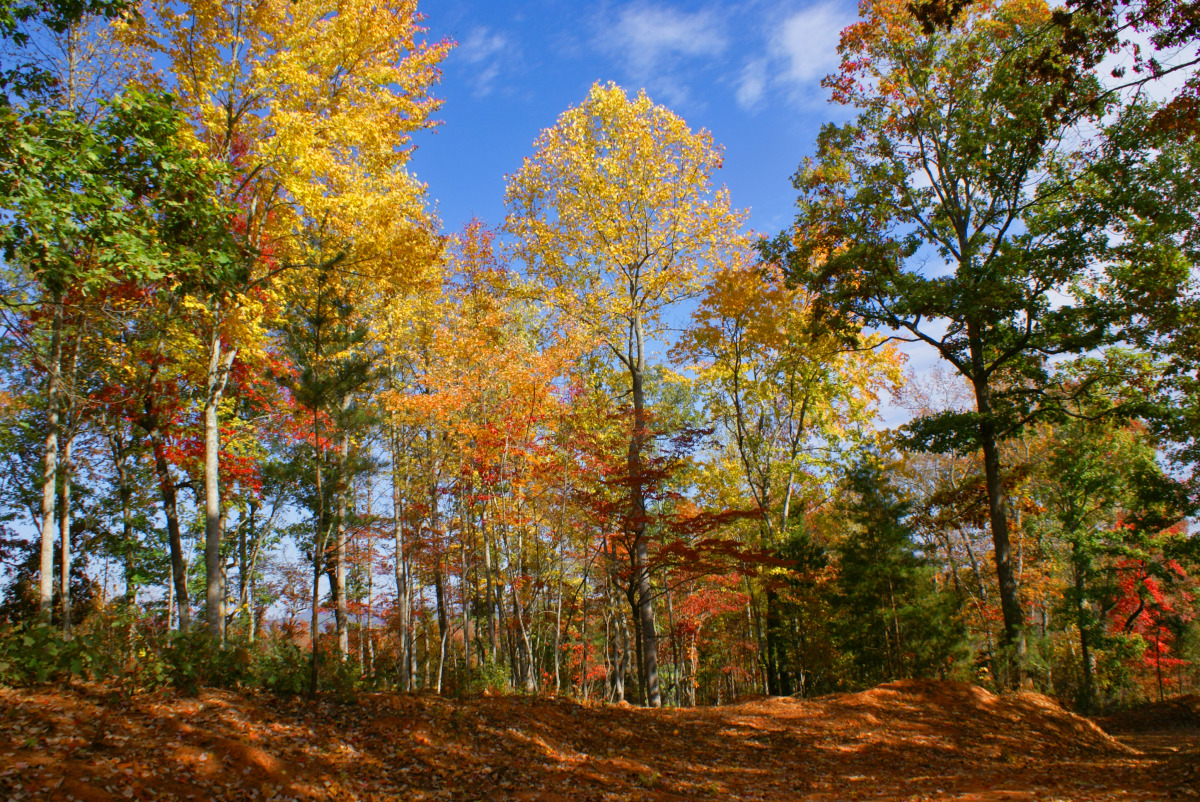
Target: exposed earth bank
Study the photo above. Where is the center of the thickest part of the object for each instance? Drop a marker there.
(904, 740)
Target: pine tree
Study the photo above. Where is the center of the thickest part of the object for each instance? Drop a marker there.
(890, 619)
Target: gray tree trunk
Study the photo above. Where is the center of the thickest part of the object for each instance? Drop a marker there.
(1010, 604)
(648, 645)
(50, 463)
(219, 364)
(343, 491)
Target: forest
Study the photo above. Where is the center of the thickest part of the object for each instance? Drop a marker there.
(264, 424)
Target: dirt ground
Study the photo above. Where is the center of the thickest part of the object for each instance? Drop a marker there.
(905, 740)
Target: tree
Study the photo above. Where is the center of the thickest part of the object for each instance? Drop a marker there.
(1106, 499)
(28, 79)
(946, 212)
(323, 340)
(616, 215)
(95, 205)
(891, 618)
(313, 108)
(787, 389)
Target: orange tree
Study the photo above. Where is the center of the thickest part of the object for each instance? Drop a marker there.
(616, 216)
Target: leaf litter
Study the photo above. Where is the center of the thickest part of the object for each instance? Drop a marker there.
(908, 740)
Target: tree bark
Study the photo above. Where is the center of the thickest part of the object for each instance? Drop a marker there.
(343, 490)
(64, 529)
(318, 558)
(1010, 604)
(648, 645)
(402, 584)
(166, 484)
(219, 364)
(50, 462)
(1082, 623)
(125, 494)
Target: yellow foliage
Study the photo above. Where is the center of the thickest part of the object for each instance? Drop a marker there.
(314, 105)
(616, 214)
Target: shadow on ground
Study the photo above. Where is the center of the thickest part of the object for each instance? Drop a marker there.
(906, 740)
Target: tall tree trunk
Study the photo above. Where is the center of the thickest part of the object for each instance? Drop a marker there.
(343, 491)
(439, 582)
(403, 599)
(247, 535)
(491, 586)
(562, 569)
(318, 558)
(675, 667)
(50, 461)
(771, 635)
(648, 645)
(439, 592)
(166, 484)
(219, 364)
(464, 524)
(125, 494)
(1010, 604)
(64, 529)
(1083, 624)
(584, 684)
(68, 422)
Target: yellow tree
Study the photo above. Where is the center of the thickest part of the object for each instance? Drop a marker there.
(313, 105)
(781, 383)
(617, 216)
(786, 389)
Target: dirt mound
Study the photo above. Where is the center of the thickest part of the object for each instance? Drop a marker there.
(1179, 713)
(957, 717)
(1024, 721)
(904, 740)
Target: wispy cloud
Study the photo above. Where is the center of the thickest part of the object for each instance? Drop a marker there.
(800, 49)
(486, 52)
(655, 42)
(752, 83)
(806, 42)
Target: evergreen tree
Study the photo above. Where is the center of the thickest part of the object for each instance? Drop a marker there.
(890, 618)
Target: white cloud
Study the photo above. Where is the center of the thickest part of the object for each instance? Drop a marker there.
(486, 51)
(654, 42)
(805, 44)
(800, 49)
(752, 83)
(651, 36)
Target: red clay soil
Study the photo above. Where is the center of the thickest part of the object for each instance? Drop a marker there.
(905, 740)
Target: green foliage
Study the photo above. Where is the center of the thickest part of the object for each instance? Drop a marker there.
(26, 81)
(341, 678)
(891, 619)
(280, 666)
(37, 653)
(802, 655)
(133, 651)
(121, 199)
(115, 644)
(194, 658)
(486, 677)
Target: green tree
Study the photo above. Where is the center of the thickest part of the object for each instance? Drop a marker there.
(1104, 499)
(946, 211)
(324, 340)
(892, 621)
(91, 205)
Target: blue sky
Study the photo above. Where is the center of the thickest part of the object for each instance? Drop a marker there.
(749, 72)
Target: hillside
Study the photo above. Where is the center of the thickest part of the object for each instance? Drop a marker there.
(905, 740)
